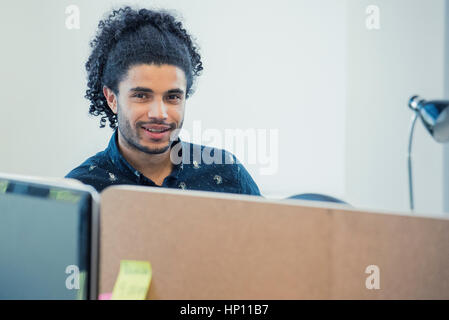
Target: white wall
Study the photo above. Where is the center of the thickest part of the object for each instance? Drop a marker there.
(385, 68)
(446, 96)
(266, 64)
(336, 91)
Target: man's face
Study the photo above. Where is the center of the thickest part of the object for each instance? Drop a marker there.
(150, 106)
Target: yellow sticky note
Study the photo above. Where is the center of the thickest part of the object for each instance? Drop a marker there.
(133, 280)
(3, 186)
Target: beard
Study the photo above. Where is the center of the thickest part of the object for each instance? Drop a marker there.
(132, 135)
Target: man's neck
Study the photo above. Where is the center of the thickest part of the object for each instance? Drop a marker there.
(154, 166)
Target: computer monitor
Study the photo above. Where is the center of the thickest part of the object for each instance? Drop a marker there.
(48, 239)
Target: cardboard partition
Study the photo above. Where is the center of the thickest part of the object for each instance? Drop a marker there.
(205, 245)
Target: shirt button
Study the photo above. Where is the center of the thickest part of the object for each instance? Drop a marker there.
(217, 179)
(112, 177)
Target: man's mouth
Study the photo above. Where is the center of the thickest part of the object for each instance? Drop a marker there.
(156, 128)
(157, 132)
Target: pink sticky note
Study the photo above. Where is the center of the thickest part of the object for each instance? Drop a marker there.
(105, 296)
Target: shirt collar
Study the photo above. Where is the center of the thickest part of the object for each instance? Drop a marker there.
(122, 164)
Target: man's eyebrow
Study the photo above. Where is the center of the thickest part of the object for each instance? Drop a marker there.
(141, 89)
(177, 90)
(144, 89)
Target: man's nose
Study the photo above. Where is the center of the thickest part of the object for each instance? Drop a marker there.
(157, 109)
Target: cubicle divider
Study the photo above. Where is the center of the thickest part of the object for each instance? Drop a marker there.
(204, 245)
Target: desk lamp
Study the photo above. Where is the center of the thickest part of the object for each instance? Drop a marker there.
(435, 117)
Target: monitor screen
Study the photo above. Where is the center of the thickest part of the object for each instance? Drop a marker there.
(45, 241)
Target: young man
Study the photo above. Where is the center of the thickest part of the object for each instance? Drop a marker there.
(140, 73)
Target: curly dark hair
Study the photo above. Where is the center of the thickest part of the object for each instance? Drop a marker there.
(128, 37)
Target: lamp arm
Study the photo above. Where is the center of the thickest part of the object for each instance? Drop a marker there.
(409, 159)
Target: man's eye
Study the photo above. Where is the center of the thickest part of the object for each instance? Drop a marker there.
(174, 97)
(140, 95)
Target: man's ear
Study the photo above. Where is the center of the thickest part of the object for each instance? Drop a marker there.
(110, 98)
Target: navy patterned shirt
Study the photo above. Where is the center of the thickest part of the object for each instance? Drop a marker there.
(197, 167)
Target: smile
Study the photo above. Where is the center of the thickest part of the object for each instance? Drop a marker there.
(156, 130)
(157, 134)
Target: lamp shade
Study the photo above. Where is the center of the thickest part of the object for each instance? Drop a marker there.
(434, 115)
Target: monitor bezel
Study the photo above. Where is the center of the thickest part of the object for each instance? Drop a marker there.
(94, 222)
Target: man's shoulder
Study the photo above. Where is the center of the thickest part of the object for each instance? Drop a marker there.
(213, 160)
(222, 165)
(200, 153)
(96, 162)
